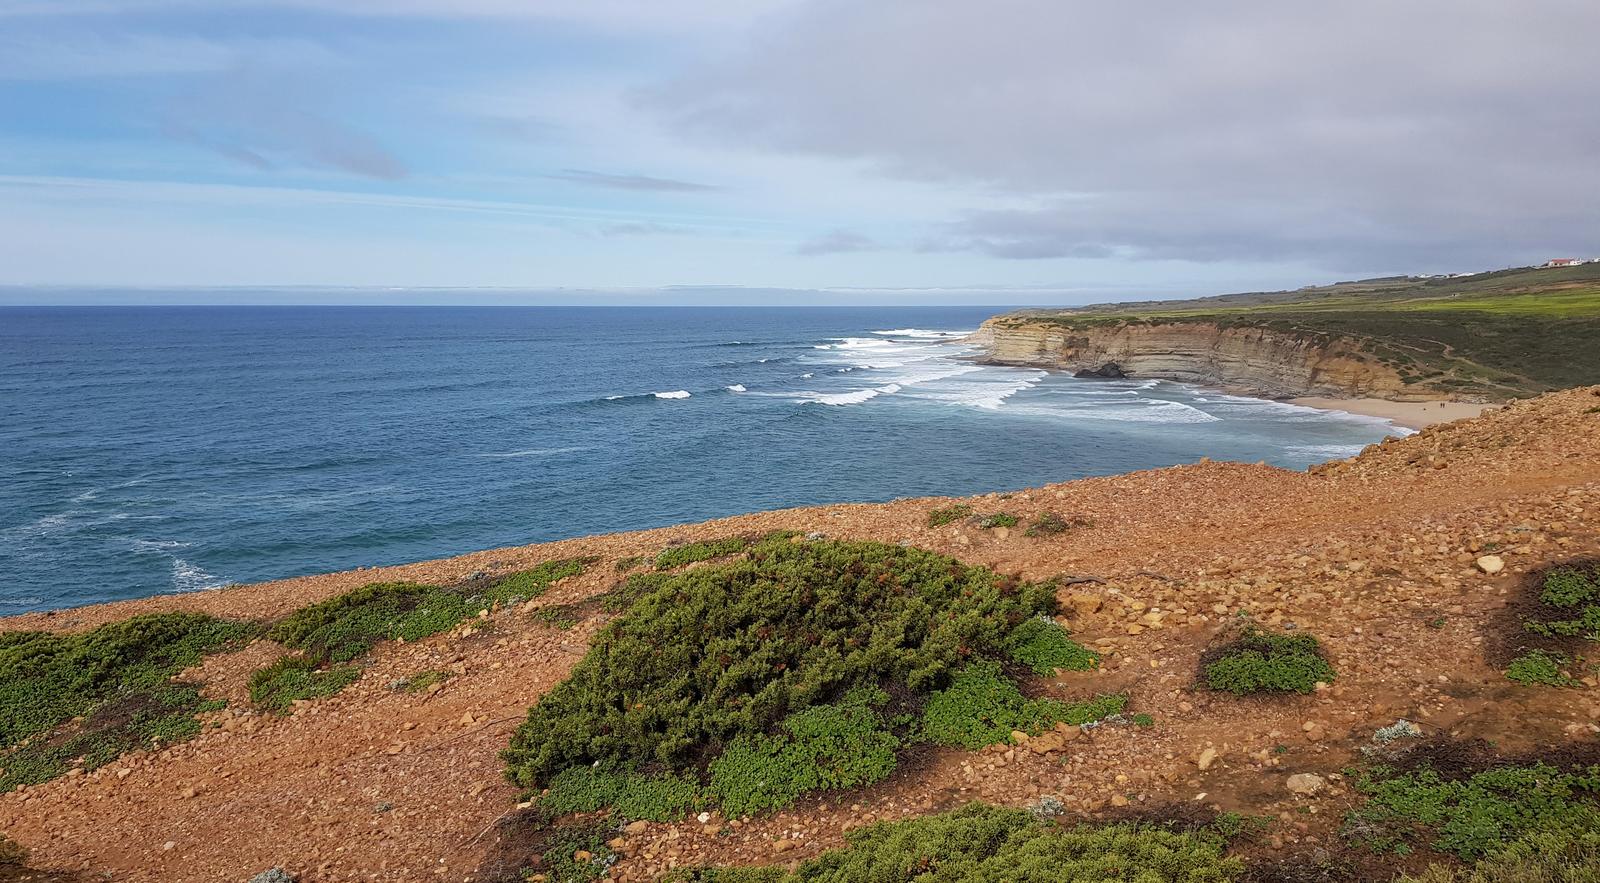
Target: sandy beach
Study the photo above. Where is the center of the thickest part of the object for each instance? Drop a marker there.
(1413, 415)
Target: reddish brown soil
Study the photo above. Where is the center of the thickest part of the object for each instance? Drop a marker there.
(1375, 555)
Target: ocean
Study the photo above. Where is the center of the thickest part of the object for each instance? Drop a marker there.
(171, 449)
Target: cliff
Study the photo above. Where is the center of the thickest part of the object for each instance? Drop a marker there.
(1251, 360)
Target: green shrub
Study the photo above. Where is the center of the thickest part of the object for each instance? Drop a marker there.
(982, 707)
(949, 515)
(562, 616)
(1264, 662)
(624, 565)
(1470, 817)
(117, 678)
(577, 853)
(1043, 646)
(630, 795)
(277, 686)
(980, 844)
(1575, 592)
(422, 680)
(677, 556)
(999, 519)
(1547, 857)
(1539, 667)
(824, 747)
(737, 653)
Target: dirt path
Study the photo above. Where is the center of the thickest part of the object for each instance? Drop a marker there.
(1374, 555)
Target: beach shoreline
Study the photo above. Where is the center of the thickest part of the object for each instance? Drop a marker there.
(1411, 415)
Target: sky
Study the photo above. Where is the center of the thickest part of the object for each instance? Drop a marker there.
(1015, 151)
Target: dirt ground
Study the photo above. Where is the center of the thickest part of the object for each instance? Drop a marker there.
(1375, 555)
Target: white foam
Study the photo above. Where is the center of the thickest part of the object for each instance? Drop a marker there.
(188, 577)
(923, 333)
(158, 546)
(853, 397)
(673, 394)
(1324, 452)
(736, 387)
(536, 452)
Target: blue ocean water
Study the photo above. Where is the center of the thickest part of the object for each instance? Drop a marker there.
(159, 449)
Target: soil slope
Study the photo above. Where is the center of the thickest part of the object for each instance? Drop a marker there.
(1376, 555)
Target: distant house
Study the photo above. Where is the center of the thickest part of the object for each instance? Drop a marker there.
(1563, 262)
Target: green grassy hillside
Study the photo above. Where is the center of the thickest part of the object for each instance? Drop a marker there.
(1505, 333)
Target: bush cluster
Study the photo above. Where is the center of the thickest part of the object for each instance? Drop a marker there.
(767, 672)
(630, 795)
(980, 844)
(678, 556)
(1470, 817)
(1264, 662)
(276, 687)
(117, 678)
(1563, 856)
(999, 519)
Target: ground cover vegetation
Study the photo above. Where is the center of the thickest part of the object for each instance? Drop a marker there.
(803, 666)
(82, 700)
(979, 844)
(1258, 661)
(331, 636)
(1560, 622)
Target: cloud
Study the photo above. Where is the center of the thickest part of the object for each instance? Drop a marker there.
(639, 228)
(638, 183)
(78, 55)
(837, 242)
(266, 126)
(1359, 134)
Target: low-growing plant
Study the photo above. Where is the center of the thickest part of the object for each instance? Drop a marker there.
(1265, 662)
(577, 853)
(346, 627)
(624, 565)
(999, 519)
(84, 699)
(561, 616)
(292, 678)
(422, 680)
(1572, 595)
(979, 844)
(983, 707)
(1042, 645)
(1469, 817)
(949, 515)
(1050, 524)
(1562, 856)
(825, 747)
(1541, 668)
(678, 556)
(630, 795)
(759, 664)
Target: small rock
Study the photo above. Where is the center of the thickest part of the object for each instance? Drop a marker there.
(1206, 758)
(636, 828)
(1305, 784)
(1491, 564)
(784, 845)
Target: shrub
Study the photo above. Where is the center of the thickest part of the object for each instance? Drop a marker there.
(1537, 667)
(823, 747)
(999, 519)
(577, 853)
(117, 678)
(1043, 646)
(291, 678)
(422, 680)
(978, 844)
(528, 584)
(764, 653)
(982, 707)
(1262, 662)
(949, 515)
(1470, 817)
(1572, 592)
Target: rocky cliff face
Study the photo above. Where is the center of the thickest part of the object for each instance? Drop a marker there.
(1253, 361)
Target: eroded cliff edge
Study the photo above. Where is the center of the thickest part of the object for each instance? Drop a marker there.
(1248, 359)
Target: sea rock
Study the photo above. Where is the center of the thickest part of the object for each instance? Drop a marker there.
(1108, 371)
